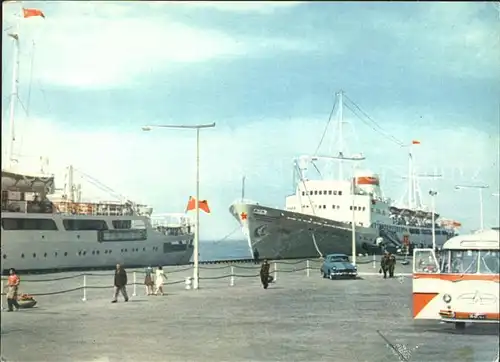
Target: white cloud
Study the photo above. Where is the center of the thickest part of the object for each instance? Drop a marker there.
(158, 167)
(106, 46)
(264, 7)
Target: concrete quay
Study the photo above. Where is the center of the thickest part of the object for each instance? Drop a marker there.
(299, 318)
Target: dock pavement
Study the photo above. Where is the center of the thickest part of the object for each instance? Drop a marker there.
(301, 317)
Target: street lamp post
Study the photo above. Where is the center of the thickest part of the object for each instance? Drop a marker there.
(196, 270)
(480, 188)
(433, 211)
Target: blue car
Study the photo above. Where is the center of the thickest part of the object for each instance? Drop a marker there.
(338, 265)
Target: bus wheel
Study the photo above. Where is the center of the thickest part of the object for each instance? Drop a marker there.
(460, 325)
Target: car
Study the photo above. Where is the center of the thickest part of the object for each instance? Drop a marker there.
(338, 265)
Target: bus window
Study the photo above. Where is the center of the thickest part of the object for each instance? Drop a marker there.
(464, 261)
(489, 262)
(425, 261)
(445, 261)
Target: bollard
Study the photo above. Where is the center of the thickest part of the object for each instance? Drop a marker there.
(374, 262)
(307, 267)
(275, 271)
(135, 286)
(231, 284)
(188, 283)
(1, 296)
(84, 288)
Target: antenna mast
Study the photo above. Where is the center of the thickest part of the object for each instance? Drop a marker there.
(14, 94)
(410, 180)
(341, 134)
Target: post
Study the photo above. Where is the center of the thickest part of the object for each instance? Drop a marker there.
(1, 300)
(231, 284)
(433, 222)
(84, 288)
(481, 206)
(307, 267)
(196, 271)
(374, 261)
(275, 271)
(135, 285)
(353, 221)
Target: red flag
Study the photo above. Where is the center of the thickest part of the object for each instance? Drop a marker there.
(414, 142)
(27, 13)
(203, 205)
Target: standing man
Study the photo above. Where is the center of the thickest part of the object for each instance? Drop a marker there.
(264, 274)
(256, 256)
(384, 264)
(13, 284)
(392, 265)
(120, 283)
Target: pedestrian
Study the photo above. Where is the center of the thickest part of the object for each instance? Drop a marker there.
(159, 280)
(256, 256)
(392, 265)
(13, 283)
(265, 278)
(148, 280)
(384, 264)
(120, 283)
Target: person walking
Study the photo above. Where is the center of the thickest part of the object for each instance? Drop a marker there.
(148, 280)
(13, 284)
(265, 278)
(160, 278)
(391, 265)
(384, 264)
(256, 256)
(120, 283)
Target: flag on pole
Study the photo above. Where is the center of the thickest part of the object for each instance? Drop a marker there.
(28, 13)
(203, 205)
(415, 142)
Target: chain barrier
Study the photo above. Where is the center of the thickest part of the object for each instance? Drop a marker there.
(187, 281)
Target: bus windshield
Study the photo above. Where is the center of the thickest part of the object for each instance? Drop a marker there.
(470, 261)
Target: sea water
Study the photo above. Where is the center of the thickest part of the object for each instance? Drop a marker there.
(223, 250)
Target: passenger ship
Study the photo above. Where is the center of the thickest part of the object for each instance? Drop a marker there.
(38, 233)
(44, 235)
(317, 219)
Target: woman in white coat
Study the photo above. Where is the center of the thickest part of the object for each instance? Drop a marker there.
(160, 278)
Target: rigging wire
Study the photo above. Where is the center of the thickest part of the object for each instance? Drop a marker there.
(228, 235)
(374, 125)
(31, 77)
(327, 124)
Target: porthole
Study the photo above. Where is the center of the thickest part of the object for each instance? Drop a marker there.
(126, 250)
(22, 255)
(65, 253)
(4, 256)
(84, 252)
(44, 255)
(34, 255)
(55, 254)
(79, 253)
(143, 249)
(97, 252)
(93, 252)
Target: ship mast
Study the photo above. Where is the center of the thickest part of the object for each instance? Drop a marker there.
(341, 134)
(14, 94)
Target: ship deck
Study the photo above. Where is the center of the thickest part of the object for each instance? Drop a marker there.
(298, 318)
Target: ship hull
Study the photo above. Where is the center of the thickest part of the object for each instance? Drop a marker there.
(280, 234)
(58, 254)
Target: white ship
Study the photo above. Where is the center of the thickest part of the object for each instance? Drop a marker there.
(41, 233)
(317, 218)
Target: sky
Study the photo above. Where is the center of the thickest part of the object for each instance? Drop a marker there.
(93, 73)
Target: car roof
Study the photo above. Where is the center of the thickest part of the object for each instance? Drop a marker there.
(337, 254)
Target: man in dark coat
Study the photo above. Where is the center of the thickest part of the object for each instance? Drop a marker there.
(265, 278)
(391, 265)
(256, 256)
(384, 264)
(120, 283)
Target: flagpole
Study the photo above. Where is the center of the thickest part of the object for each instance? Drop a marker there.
(196, 273)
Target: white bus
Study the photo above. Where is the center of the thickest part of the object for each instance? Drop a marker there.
(461, 284)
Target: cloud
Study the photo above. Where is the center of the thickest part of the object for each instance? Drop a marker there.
(107, 46)
(158, 167)
(264, 7)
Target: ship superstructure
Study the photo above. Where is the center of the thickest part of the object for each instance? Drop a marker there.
(318, 217)
(43, 231)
